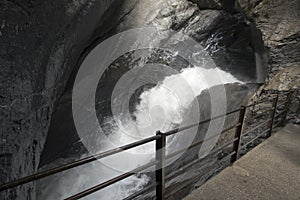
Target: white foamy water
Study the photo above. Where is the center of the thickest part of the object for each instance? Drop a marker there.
(160, 108)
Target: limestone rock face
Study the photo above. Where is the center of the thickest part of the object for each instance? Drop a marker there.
(279, 22)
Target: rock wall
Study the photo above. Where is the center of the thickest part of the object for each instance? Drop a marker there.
(279, 22)
(286, 79)
(237, 95)
(226, 36)
(41, 45)
(39, 41)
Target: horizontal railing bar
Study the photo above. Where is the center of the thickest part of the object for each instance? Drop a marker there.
(230, 128)
(259, 102)
(173, 174)
(92, 158)
(281, 99)
(111, 181)
(255, 138)
(227, 156)
(77, 163)
(279, 113)
(196, 144)
(181, 187)
(256, 127)
(263, 113)
(200, 142)
(191, 146)
(172, 132)
(269, 110)
(192, 180)
(283, 103)
(276, 124)
(143, 191)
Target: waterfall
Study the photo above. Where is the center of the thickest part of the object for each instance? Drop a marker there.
(160, 108)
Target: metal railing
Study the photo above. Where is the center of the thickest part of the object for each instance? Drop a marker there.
(161, 157)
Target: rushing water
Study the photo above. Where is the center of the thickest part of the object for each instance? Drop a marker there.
(160, 108)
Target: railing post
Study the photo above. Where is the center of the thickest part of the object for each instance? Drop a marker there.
(238, 134)
(160, 165)
(273, 114)
(286, 108)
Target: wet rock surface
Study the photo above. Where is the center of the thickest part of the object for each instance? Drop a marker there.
(195, 175)
(223, 34)
(280, 26)
(283, 83)
(279, 22)
(237, 95)
(42, 43)
(39, 40)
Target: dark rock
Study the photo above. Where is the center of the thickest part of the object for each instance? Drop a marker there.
(225, 36)
(279, 22)
(40, 42)
(228, 5)
(236, 96)
(43, 42)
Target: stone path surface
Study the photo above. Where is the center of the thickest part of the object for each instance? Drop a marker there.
(269, 171)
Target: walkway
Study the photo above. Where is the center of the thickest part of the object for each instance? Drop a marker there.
(270, 171)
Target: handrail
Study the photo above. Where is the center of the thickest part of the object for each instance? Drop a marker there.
(160, 139)
(279, 113)
(143, 191)
(260, 102)
(110, 182)
(95, 157)
(283, 103)
(172, 132)
(196, 143)
(74, 164)
(256, 127)
(189, 182)
(255, 138)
